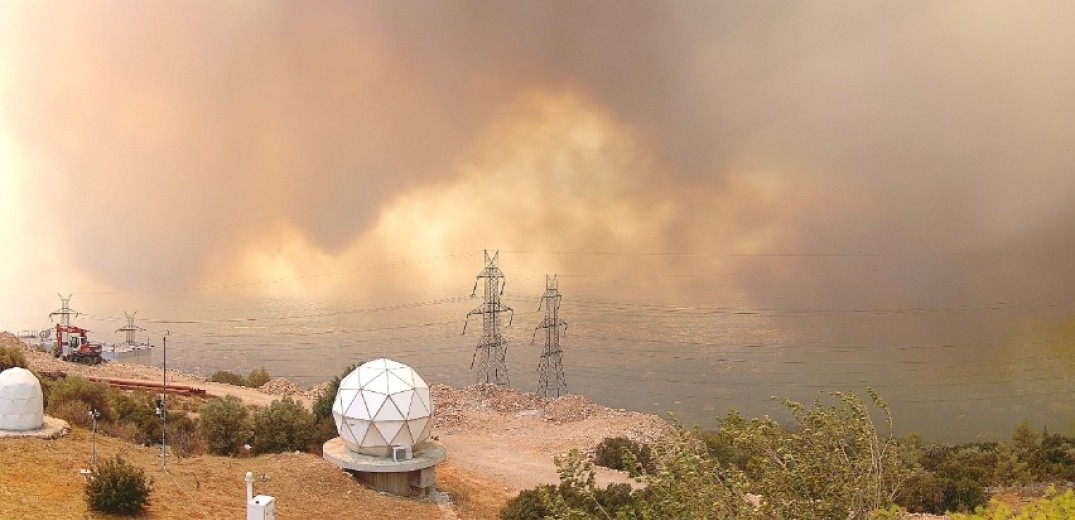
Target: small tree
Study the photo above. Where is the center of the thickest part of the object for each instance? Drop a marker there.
(257, 378)
(284, 425)
(228, 378)
(11, 357)
(833, 464)
(117, 487)
(224, 425)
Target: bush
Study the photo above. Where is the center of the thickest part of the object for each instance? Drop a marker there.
(1052, 506)
(75, 412)
(183, 439)
(531, 504)
(11, 357)
(610, 454)
(137, 410)
(324, 431)
(74, 388)
(117, 487)
(322, 406)
(284, 425)
(833, 462)
(257, 378)
(528, 505)
(927, 493)
(224, 425)
(228, 378)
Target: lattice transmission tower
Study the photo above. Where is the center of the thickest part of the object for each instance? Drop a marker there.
(65, 311)
(551, 381)
(131, 328)
(491, 352)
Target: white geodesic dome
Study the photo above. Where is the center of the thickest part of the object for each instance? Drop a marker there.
(21, 405)
(381, 404)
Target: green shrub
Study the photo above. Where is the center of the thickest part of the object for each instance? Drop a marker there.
(257, 378)
(183, 439)
(611, 454)
(1054, 505)
(832, 462)
(322, 406)
(228, 378)
(927, 493)
(532, 504)
(224, 425)
(324, 431)
(284, 425)
(137, 410)
(11, 357)
(721, 448)
(528, 505)
(74, 388)
(74, 411)
(117, 487)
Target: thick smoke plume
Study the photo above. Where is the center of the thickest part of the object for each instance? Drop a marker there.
(858, 153)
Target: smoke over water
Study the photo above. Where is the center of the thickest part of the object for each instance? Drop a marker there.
(844, 157)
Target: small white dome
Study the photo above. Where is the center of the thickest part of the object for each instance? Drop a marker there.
(381, 404)
(21, 405)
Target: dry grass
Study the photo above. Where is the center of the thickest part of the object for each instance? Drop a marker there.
(41, 480)
(474, 499)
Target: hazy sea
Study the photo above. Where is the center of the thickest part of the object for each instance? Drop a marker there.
(948, 374)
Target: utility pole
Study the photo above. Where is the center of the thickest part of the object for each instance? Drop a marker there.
(131, 328)
(162, 410)
(551, 381)
(491, 352)
(65, 311)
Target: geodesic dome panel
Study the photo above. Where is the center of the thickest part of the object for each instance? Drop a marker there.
(380, 404)
(21, 405)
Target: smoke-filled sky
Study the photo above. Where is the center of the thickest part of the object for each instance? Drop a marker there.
(822, 154)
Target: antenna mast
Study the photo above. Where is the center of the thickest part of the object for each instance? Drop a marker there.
(491, 352)
(551, 382)
(65, 311)
(131, 328)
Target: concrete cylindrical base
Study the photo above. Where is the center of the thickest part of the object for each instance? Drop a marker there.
(417, 483)
(409, 477)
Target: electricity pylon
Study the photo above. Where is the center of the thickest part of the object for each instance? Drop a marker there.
(131, 328)
(491, 352)
(551, 381)
(65, 311)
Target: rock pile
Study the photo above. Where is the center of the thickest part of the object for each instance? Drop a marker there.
(316, 391)
(482, 406)
(281, 386)
(570, 408)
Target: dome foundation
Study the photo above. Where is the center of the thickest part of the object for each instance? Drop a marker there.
(413, 477)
